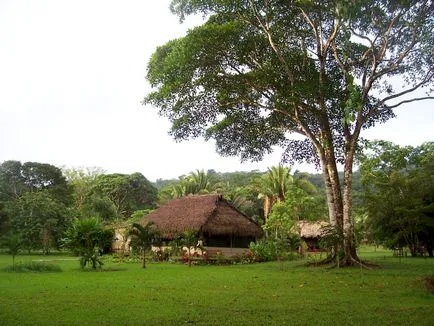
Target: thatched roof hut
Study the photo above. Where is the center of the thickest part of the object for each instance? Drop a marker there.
(311, 233)
(211, 216)
(311, 230)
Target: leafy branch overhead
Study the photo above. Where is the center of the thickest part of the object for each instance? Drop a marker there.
(224, 80)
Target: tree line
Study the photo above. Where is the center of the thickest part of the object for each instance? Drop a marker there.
(393, 198)
(39, 201)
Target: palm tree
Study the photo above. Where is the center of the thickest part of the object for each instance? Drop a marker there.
(142, 237)
(179, 189)
(273, 186)
(199, 182)
(87, 237)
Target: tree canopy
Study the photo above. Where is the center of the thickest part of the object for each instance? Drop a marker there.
(33, 203)
(110, 196)
(17, 178)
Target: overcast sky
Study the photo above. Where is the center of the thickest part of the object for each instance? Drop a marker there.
(72, 78)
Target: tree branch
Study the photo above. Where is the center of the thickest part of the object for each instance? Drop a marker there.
(394, 66)
(310, 22)
(273, 45)
(383, 49)
(409, 101)
(425, 80)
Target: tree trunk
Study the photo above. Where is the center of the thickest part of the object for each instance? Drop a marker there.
(350, 254)
(340, 205)
(329, 197)
(267, 207)
(144, 259)
(333, 176)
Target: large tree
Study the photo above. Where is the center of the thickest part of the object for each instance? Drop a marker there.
(126, 192)
(82, 181)
(258, 71)
(17, 178)
(26, 190)
(39, 218)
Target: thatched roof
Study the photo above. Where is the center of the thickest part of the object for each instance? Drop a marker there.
(311, 230)
(209, 214)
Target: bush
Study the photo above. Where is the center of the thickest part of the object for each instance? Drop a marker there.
(246, 257)
(91, 258)
(264, 250)
(33, 267)
(271, 249)
(161, 255)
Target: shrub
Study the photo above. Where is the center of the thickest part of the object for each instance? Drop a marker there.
(275, 249)
(220, 259)
(33, 267)
(246, 257)
(161, 255)
(264, 250)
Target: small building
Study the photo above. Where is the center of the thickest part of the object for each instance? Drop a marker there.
(311, 232)
(217, 222)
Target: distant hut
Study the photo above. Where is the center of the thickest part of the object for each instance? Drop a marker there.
(311, 232)
(217, 222)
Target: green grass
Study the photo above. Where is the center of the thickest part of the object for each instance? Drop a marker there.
(259, 294)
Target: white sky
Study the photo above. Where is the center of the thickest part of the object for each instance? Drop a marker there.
(72, 78)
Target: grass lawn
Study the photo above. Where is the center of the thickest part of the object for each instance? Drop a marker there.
(259, 294)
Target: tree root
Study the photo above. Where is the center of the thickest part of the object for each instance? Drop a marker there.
(329, 260)
(332, 262)
(353, 262)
